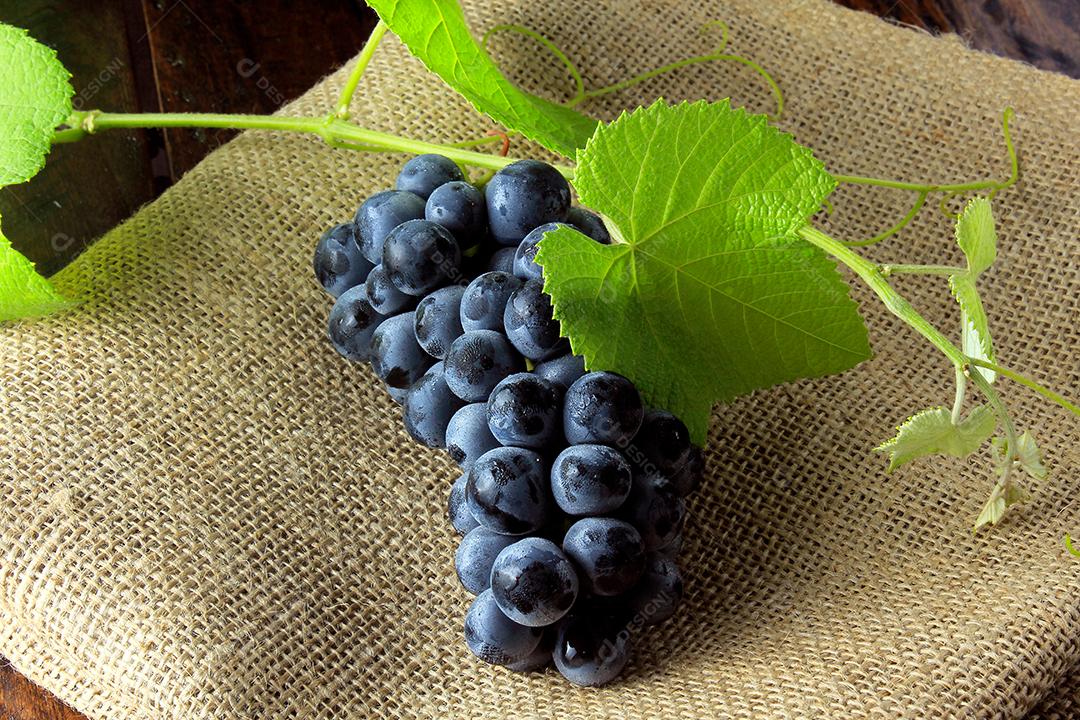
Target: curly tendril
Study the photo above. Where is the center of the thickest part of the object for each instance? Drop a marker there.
(920, 201)
(579, 83)
(948, 191)
(581, 94)
(943, 205)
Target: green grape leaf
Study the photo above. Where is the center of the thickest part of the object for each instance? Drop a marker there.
(35, 97)
(436, 33)
(23, 292)
(1028, 456)
(708, 292)
(977, 238)
(932, 431)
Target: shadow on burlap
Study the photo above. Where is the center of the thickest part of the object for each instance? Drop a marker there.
(208, 514)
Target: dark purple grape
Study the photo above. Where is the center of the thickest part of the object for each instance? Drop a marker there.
(561, 371)
(687, 479)
(657, 596)
(420, 256)
(478, 361)
(438, 320)
(468, 435)
(398, 395)
(424, 173)
(672, 548)
(523, 410)
(655, 510)
(337, 262)
(525, 265)
(533, 582)
(502, 260)
(484, 301)
(589, 223)
(384, 295)
(525, 195)
(429, 407)
(495, 638)
(508, 491)
(602, 407)
(476, 554)
(662, 443)
(457, 509)
(396, 357)
(530, 325)
(380, 214)
(353, 323)
(539, 658)
(590, 480)
(591, 646)
(608, 552)
(460, 208)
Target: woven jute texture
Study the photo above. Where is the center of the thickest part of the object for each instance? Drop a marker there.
(1061, 703)
(206, 513)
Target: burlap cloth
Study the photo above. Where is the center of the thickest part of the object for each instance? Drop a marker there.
(208, 514)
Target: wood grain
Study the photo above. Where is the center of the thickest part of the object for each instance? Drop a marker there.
(22, 700)
(208, 55)
(243, 57)
(1044, 33)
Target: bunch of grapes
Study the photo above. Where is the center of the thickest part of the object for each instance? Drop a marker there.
(571, 497)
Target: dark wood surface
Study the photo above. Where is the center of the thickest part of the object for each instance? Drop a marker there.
(252, 56)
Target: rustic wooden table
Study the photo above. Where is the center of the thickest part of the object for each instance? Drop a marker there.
(212, 56)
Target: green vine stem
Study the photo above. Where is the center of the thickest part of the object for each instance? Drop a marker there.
(958, 401)
(332, 129)
(920, 201)
(949, 190)
(362, 61)
(893, 269)
(774, 86)
(567, 63)
(1028, 383)
(1011, 438)
(870, 274)
(874, 278)
(993, 185)
(901, 308)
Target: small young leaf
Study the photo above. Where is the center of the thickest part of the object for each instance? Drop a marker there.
(992, 511)
(1029, 458)
(35, 97)
(932, 431)
(709, 293)
(977, 238)
(1027, 455)
(1000, 500)
(975, 337)
(1014, 495)
(23, 292)
(435, 31)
